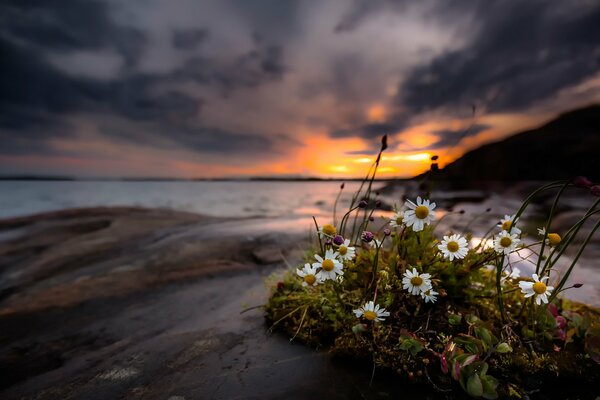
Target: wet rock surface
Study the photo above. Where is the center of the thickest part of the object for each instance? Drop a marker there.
(128, 303)
(147, 304)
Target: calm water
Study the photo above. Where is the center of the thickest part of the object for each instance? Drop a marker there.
(227, 199)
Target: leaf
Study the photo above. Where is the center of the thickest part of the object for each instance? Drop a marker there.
(469, 360)
(455, 371)
(485, 335)
(504, 348)
(412, 345)
(454, 319)
(489, 384)
(474, 386)
(569, 335)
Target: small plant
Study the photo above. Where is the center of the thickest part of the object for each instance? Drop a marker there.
(442, 312)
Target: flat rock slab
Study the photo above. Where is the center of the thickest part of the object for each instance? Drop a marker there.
(130, 303)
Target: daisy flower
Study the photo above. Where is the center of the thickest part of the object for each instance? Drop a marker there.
(418, 215)
(327, 230)
(371, 312)
(542, 231)
(415, 283)
(330, 266)
(506, 242)
(537, 288)
(397, 219)
(454, 246)
(506, 224)
(309, 275)
(345, 251)
(429, 295)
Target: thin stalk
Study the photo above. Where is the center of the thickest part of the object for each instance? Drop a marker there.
(581, 248)
(569, 236)
(547, 226)
(499, 288)
(345, 219)
(532, 195)
(318, 235)
(335, 205)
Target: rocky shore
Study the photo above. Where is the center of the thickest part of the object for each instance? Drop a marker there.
(131, 303)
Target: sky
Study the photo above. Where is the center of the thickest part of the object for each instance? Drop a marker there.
(236, 88)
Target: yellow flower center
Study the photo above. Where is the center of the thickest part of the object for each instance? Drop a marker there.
(452, 246)
(310, 279)
(416, 281)
(505, 241)
(327, 265)
(539, 287)
(422, 212)
(554, 239)
(399, 220)
(342, 250)
(370, 315)
(329, 230)
(506, 225)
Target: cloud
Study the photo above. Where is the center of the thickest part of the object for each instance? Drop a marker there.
(67, 64)
(452, 137)
(189, 38)
(521, 55)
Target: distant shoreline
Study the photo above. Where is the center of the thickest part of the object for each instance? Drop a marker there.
(153, 179)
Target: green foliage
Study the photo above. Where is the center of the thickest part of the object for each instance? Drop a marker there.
(479, 327)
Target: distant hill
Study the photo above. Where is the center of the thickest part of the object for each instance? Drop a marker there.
(563, 148)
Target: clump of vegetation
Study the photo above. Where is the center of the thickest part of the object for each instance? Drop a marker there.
(446, 311)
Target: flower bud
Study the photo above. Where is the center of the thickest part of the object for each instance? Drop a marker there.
(554, 239)
(378, 203)
(387, 232)
(362, 204)
(338, 240)
(371, 219)
(328, 242)
(367, 236)
(578, 285)
(582, 182)
(342, 185)
(595, 190)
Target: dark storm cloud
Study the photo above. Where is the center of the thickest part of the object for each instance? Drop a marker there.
(523, 54)
(370, 131)
(360, 10)
(450, 137)
(189, 38)
(68, 26)
(270, 18)
(36, 96)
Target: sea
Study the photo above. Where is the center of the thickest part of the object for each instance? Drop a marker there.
(280, 204)
(236, 199)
